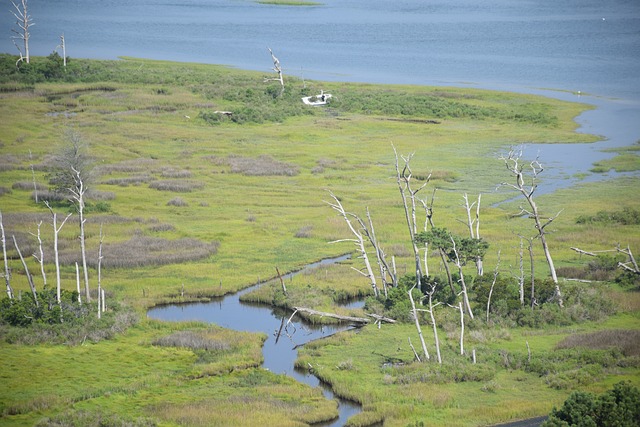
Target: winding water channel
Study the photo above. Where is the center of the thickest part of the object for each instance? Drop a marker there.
(279, 353)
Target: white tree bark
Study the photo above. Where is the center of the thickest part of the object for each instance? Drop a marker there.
(78, 283)
(474, 226)
(26, 271)
(495, 278)
(512, 162)
(7, 279)
(22, 34)
(358, 241)
(465, 295)
(78, 193)
(403, 179)
(278, 69)
(40, 256)
(414, 313)
(56, 232)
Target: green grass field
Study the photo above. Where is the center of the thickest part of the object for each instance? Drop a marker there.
(195, 204)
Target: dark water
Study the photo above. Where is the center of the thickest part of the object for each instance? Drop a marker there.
(279, 349)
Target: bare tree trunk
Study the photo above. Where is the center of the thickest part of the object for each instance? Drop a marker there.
(78, 193)
(56, 231)
(284, 287)
(40, 257)
(465, 295)
(100, 258)
(26, 271)
(6, 263)
(278, 69)
(380, 255)
(24, 22)
(416, 319)
(461, 328)
(512, 163)
(533, 275)
(433, 323)
(403, 178)
(521, 277)
(63, 46)
(474, 226)
(78, 283)
(358, 241)
(495, 278)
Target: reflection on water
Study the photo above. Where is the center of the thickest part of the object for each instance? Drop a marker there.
(279, 350)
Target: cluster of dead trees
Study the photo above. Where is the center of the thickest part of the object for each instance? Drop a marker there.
(70, 177)
(22, 32)
(426, 237)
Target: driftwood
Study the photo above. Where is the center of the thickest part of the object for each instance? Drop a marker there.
(358, 320)
(381, 318)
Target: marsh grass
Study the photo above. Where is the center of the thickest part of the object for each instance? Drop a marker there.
(133, 112)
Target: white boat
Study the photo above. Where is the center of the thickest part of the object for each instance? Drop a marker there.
(315, 100)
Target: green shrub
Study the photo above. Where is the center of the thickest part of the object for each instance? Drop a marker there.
(618, 407)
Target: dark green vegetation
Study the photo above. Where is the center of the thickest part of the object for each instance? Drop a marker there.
(619, 406)
(195, 204)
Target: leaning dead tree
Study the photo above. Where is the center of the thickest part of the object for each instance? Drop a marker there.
(416, 319)
(26, 271)
(404, 176)
(7, 273)
(278, 69)
(22, 33)
(358, 240)
(517, 168)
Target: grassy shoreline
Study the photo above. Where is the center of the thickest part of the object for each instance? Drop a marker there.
(239, 197)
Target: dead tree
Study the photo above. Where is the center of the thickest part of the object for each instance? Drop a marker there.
(463, 285)
(358, 241)
(630, 265)
(416, 319)
(383, 265)
(72, 177)
(474, 226)
(26, 271)
(278, 69)
(78, 283)
(431, 309)
(22, 34)
(493, 283)
(40, 255)
(7, 273)
(408, 195)
(428, 209)
(77, 193)
(56, 232)
(516, 168)
(63, 46)
(100, 271)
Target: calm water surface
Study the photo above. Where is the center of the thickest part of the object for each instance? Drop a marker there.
(554, 48)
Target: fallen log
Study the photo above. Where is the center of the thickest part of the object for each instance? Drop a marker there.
(382, 318)
(358, 320)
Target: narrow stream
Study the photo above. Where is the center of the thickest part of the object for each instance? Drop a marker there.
(279, 352)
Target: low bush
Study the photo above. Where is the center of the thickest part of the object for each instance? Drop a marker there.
(619, 406)
(626, 216)
(70, 322)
